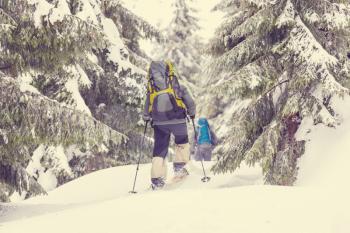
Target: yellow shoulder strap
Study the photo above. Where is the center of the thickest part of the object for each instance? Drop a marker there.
(171, 69)
(179, 101)
(149, 84)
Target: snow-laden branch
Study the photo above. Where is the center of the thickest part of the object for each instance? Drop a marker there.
(6, 18)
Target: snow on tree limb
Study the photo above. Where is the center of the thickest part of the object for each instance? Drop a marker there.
(52, 122)
(296, 41)
(6, 18)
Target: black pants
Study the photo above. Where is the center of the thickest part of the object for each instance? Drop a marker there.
(162, 135)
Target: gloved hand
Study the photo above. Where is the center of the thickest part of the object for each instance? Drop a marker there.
(192, 117)
(146, 118)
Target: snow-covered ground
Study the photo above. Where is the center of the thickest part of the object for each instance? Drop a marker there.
(100, 202)
(326, 162)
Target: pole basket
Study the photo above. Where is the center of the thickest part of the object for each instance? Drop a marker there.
(205, 179)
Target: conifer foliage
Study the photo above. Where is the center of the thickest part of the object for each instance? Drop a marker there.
(275, 63)
(72, 82)
(182, 45)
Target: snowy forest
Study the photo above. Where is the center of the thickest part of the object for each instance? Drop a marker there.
(271, 76)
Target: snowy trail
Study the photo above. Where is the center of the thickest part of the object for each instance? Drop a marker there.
(112, 184)
(100, 202)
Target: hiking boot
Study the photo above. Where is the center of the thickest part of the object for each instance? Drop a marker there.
(157, 183)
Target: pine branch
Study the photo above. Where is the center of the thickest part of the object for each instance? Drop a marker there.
(5, 67)
(117, 11)
(53, 123)
(309, 41)
(225, 5)
(6, 18)
(269, 90)
(275, 86)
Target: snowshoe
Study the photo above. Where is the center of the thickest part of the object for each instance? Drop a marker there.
(157, 183)
(179, 175)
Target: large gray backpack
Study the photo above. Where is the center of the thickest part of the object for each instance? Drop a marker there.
(165, 92)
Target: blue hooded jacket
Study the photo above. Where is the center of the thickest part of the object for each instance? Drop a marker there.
(203, 130)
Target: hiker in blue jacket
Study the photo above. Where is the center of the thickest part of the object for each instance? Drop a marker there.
(167, 105)
(205, 142)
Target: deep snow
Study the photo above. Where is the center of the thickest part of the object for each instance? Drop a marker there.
(100, 202)
(326, 160)
(104, 196)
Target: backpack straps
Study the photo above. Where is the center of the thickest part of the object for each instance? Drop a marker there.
(209, 133)
(150, 89)
(199, 133)
(172, 76)
(171, 70)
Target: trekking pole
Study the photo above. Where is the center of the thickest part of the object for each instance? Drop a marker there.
(139, 159)
(205, 178)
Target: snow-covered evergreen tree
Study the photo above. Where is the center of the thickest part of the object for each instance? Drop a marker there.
(274, 64)
(182, 45)
(71, 75)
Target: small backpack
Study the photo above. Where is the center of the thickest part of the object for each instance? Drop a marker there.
(204, 135)
(164, 92)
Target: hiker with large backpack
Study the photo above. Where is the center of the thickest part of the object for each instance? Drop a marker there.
(167, 106)
(205, 142)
